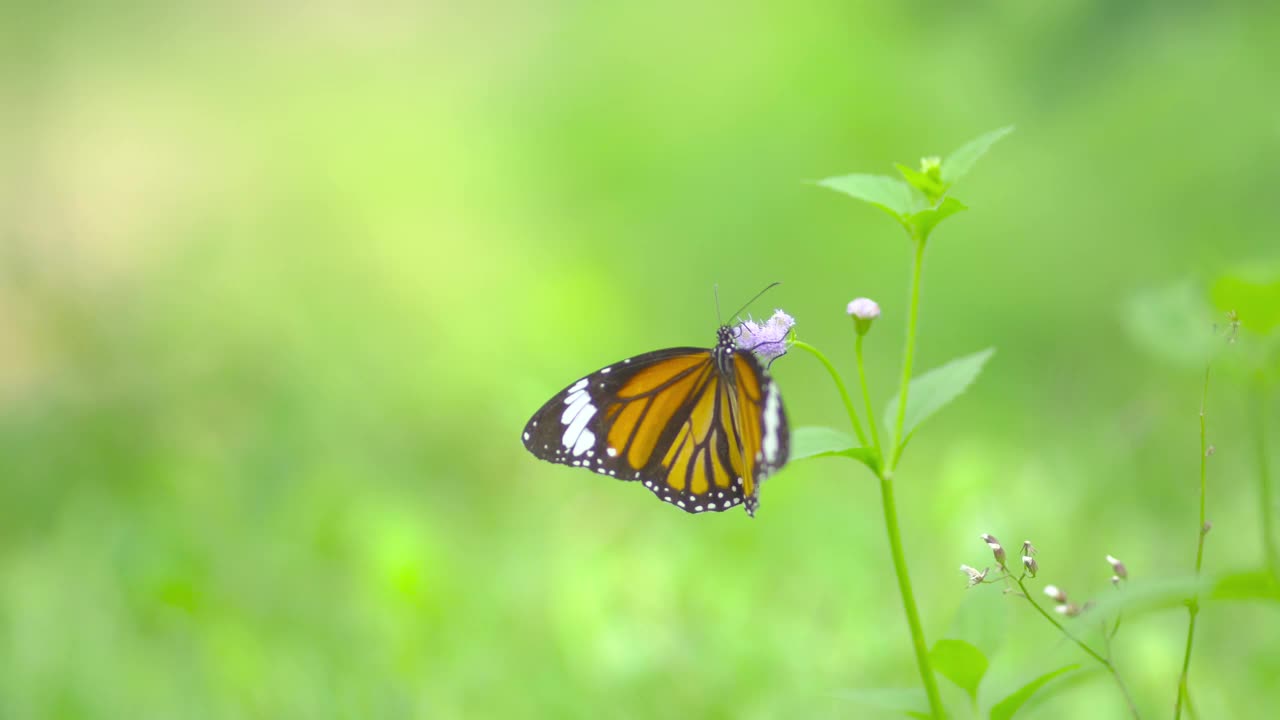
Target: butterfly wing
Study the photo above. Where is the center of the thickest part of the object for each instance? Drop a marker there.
(699, 428)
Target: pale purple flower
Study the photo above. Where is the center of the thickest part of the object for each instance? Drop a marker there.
(768, 340)
(863, 311)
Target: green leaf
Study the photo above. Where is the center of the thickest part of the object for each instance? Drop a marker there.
(931, 187)
(1250, 585)
(911, 701)
(926, 220)
(1009, 706)
(891, 195)
(816, 441)
(959, 163)
(961, 663)
(1255, 299)
(930, 392)
(1175, 324)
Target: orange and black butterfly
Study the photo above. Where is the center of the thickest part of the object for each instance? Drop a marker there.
(701, 428)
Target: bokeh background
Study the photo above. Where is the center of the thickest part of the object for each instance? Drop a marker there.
(280, 283)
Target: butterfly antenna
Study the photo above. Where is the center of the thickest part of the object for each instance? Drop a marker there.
(715, 288)
(769, 287)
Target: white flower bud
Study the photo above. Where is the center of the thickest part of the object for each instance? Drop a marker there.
(1118, 568)
(1030, 564)
(1055, 593)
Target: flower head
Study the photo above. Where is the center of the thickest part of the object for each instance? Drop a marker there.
(1029, 563)
(863, 311)
(1055, 593)
(975, 577)
(997, 550)
(768, 340)
(1118, 568)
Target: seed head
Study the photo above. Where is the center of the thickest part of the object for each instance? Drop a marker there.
(996, 548)
(975, 577)
(1028, 548)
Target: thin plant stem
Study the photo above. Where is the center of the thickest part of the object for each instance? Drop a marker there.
(866, 394)
(844, 392)
(1264, 478)
(1106, 663)
(1193, 605)
(936, 708)
(908, 354)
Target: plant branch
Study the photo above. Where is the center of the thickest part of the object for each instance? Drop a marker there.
(1111, 668)
(908, 353)
(866, 394)
(1193, 605)
(1265, 500)
(844, 392)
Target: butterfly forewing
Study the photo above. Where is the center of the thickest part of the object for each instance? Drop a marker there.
(700, 428)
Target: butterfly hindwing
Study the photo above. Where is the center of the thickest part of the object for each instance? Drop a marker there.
(699, 428)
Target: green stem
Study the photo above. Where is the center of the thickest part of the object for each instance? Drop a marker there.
(1193, 605)
(908, 598)
(866, 394)
(908, 353)
(1111, 668)
(1264, 478)
(844, 392)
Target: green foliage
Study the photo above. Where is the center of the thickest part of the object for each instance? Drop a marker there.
(895, 197)
(1254, 298)
(924, 221)
(961, 663)
(1008, 707)
(812, 442)
(959, 163)
(932, 391)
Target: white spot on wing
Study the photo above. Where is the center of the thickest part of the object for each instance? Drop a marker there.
(577, 430)
(526, 436)
(772, 423)
(611, 451)
(605, 370)
(576, 402)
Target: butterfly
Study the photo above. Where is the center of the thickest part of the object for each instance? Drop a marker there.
(700, 428)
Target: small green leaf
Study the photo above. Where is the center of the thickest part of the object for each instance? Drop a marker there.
(893, 196)
(1255, 299)
(961, 663)
(815, 441)
(959, 163)
(1006, 708)
(1174, 324)
(926, 220)
(931, 391)
(931, 187)
(911, 701)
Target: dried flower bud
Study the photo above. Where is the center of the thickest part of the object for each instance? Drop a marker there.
(1207, 527)
(863, 311)
(1118, 568)
(1069, 609)
(1210, 451)
(1028, 548)
(1030, 564)
(975, 577)
(996, 548)
(1055, 593)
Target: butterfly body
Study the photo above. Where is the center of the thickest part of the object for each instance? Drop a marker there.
(700, 428)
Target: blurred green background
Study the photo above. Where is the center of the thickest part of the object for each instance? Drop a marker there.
(280, 283)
